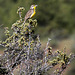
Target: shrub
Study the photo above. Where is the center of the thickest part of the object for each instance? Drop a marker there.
(22, 50)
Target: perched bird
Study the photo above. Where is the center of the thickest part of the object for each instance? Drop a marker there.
(30, 13)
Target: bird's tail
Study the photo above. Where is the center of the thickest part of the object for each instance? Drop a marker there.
(24, 21)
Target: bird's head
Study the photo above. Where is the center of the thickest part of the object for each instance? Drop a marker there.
(33, 6)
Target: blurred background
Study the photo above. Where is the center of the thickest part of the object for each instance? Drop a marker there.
(56, 20)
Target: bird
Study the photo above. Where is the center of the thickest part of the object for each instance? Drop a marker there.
(30, 13)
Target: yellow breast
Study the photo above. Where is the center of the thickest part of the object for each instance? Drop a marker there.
(33, 13)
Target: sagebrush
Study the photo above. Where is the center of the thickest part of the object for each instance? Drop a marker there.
(23, 51)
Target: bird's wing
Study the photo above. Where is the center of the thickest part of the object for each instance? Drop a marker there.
(28, 15)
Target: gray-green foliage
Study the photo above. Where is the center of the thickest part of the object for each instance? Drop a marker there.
(22, 48)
